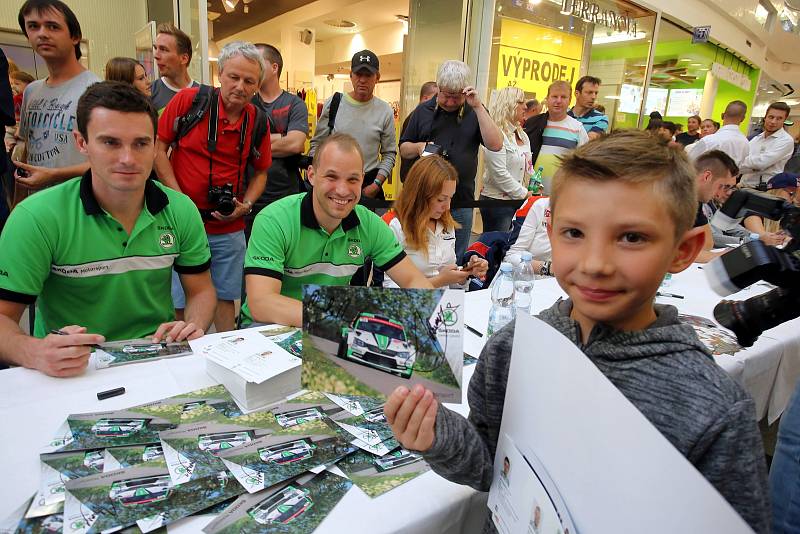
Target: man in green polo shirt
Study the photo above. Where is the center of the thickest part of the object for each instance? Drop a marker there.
(321, 237)
(98, 250)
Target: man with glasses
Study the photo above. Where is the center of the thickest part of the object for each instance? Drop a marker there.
(453, 125)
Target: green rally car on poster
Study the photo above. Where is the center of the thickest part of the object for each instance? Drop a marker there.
(378, 342)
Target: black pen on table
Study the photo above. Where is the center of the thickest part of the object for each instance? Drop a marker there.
(62, 333)
(474, 331)
(673, 295)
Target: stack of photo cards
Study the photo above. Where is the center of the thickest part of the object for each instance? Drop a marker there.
(368, 341)
(290, 507)
(255, 370)
(116, 353)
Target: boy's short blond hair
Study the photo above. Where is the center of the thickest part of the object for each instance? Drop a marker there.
(634, 157)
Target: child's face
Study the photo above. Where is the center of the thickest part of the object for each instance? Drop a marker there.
(612, 243)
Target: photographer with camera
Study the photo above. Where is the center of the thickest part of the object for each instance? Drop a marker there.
(208, 163)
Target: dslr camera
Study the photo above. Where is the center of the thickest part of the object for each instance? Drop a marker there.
(754, 261)
(221, 196)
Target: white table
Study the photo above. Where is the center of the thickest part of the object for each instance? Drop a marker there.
(32, 406)
(768, 370)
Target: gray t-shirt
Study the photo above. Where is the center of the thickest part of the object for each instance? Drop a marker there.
(372, 125)
(47, 119)
(286, 113)
(161, 94)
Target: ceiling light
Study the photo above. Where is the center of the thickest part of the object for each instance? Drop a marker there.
(229, 5)
(695, 64)
(339, 23)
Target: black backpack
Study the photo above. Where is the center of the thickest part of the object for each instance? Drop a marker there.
(201, 104)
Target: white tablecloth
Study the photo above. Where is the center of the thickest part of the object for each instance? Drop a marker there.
(32, 406)
(768, 370)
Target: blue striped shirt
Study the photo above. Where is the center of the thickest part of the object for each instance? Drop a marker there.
(593, 121)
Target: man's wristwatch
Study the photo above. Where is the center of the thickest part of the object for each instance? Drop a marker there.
(249, 206)
(544, 270)
(378, 181)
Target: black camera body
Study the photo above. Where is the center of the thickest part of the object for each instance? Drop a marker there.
(221, 196)
(756, 261)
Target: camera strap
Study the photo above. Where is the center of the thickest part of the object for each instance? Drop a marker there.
(213, 127)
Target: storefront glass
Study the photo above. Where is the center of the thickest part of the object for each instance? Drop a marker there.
(695, 79)
(535, 43)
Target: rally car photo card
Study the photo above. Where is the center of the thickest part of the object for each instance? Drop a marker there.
(376, 475)
(192, 451)
(291, 507)
(57, 468)
(121, 457)
(288, 338)
(133, 426)
(143, 495)
(116, 353)
(278, 457)
(368, 341)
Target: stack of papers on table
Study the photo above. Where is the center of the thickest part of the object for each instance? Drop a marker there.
(255, 370)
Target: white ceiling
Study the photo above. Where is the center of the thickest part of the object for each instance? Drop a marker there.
(367, 14)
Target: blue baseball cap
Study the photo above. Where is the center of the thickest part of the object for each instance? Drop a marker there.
(781, 180)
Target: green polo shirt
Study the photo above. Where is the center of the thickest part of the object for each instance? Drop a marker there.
(287, 243)
(61, 247)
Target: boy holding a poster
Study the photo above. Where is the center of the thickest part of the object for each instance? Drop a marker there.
(610, 262)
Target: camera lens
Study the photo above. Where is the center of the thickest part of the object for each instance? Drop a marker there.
(225, 205)
(749, 318)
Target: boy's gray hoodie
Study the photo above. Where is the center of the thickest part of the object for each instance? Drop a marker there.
(664, 370)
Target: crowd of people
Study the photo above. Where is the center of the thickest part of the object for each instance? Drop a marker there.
(146, 209)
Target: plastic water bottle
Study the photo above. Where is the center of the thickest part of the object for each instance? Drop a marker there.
(535, 184)
(502, 311)
(523, 284)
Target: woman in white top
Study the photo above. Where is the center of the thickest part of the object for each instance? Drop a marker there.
(507, 171)
(533, 237)
(424, 227)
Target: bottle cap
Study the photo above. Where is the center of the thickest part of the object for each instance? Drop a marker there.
(526, 256)
(753, 236)
(506, 267)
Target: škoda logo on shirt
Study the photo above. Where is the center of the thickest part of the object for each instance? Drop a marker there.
(354, 250)
(166, 240)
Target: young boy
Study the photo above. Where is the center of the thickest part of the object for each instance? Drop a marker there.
(610, 262)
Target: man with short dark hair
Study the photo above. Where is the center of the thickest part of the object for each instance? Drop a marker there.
(212, 171)
(104, 247)
(769, 150)
(173, 53)
(586, 90)
(716, 171)
(458, 123)
(729, 138)
(367, 118)
(320, 237)
(47, 116)
(288, 128)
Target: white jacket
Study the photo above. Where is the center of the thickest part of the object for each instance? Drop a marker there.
(533, 235)
(507, 171)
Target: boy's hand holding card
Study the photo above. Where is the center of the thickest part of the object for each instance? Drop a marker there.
(412, 416)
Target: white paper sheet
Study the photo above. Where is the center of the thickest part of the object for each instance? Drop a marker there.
(599, 450)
